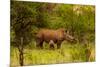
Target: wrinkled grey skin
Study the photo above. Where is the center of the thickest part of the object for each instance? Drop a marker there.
(52, 37)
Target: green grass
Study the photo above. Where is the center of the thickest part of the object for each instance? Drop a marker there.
(67, 54)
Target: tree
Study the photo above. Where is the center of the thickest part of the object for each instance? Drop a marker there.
(22, 19)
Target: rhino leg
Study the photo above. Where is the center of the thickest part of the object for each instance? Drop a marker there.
(58, 44)
(39, 43)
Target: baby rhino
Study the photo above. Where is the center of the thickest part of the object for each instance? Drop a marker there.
(52, 37)
(51, 43)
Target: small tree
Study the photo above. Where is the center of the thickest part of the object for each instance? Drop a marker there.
(21, 23)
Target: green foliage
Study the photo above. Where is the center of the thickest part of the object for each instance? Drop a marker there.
(78, 19)
(67, 54)
(28, 17)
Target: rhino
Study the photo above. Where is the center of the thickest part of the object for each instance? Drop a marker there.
(53, 37)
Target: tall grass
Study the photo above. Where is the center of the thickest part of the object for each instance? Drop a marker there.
(67, 54)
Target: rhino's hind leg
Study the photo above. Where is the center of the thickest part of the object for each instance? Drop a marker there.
(39, 44)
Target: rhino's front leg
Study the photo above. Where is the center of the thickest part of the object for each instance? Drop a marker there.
(59, 44)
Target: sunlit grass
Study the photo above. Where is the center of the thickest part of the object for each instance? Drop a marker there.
(67, 54)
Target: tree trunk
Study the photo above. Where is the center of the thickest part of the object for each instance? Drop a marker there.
(21, 57)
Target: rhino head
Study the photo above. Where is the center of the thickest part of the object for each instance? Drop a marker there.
(69, 37)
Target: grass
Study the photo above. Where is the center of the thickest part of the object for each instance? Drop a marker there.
(67, 54)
